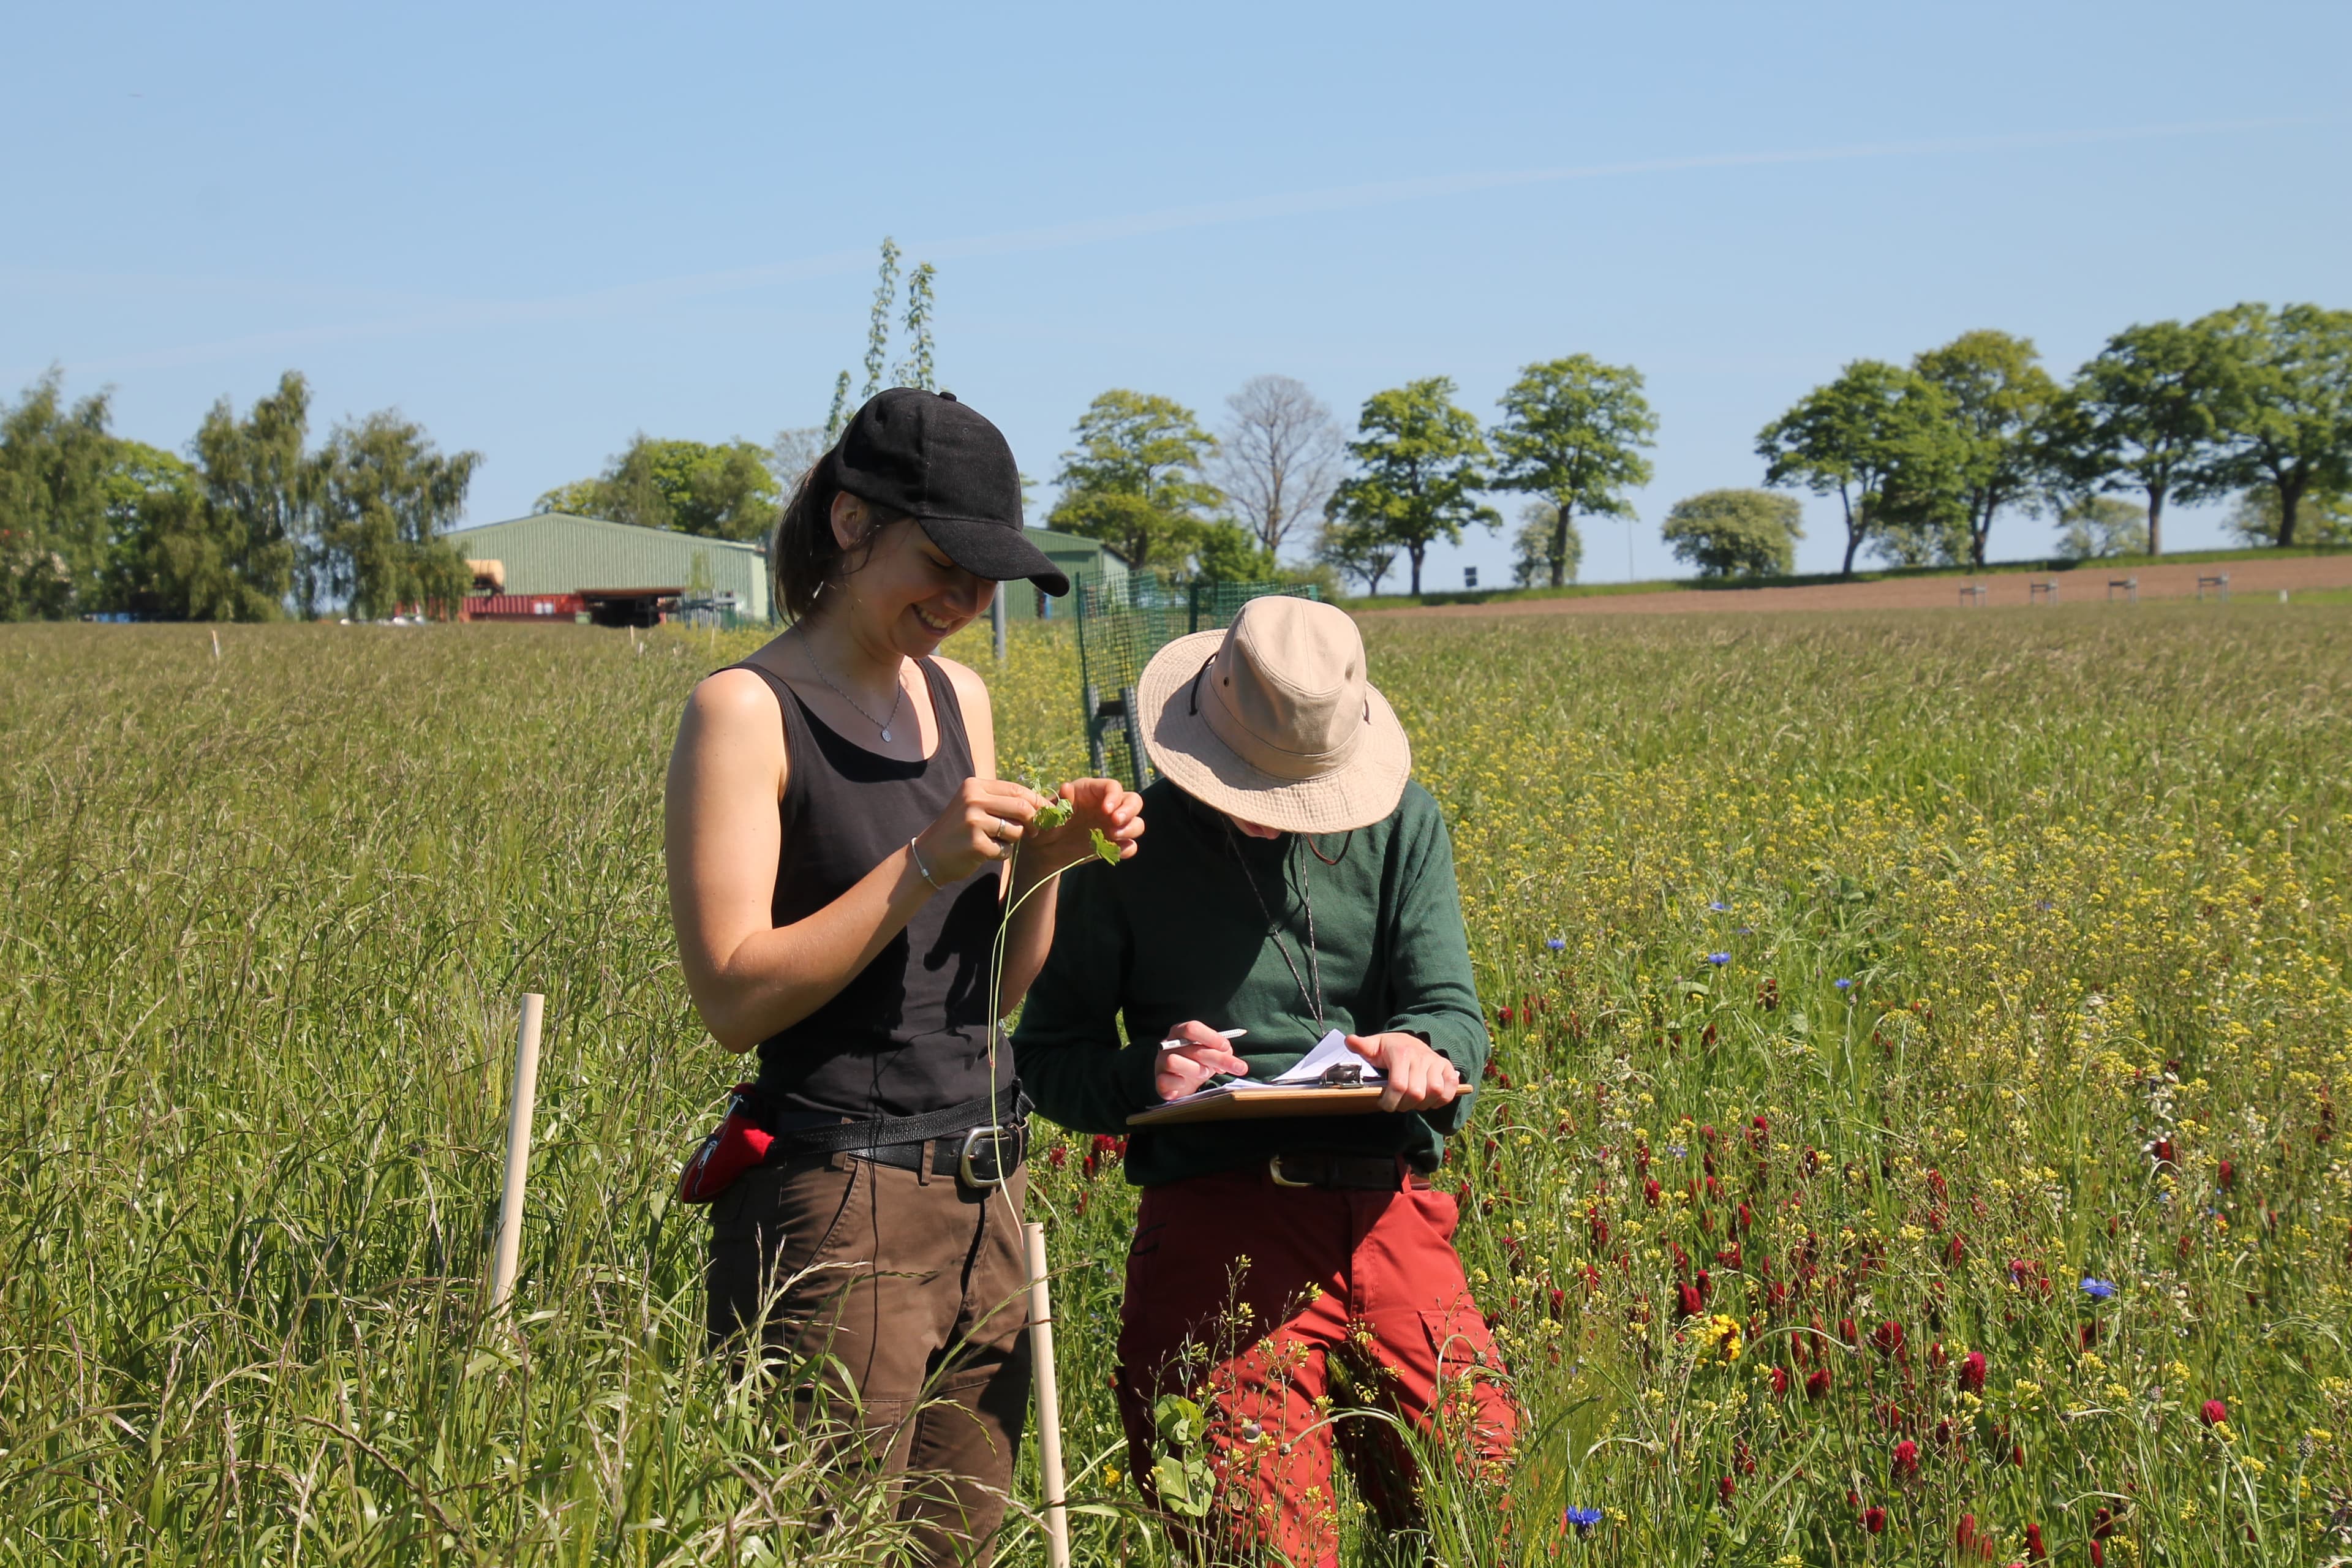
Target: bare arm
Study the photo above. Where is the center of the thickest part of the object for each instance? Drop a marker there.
(722, 838)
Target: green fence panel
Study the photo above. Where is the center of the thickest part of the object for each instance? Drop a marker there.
(1121, 626)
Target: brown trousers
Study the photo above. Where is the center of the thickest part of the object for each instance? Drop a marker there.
(917, 1287)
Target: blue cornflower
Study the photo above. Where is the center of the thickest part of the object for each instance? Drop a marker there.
(1844, 985)
(1583, 1518)
(1679, 1151)
(1718, 958)
(1556, 942)
(1720, 909)
(2097, 1290)
(1745, 930)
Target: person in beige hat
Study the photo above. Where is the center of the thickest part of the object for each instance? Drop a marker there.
(1295, 883)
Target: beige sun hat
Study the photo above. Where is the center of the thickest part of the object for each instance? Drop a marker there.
(1272, 721)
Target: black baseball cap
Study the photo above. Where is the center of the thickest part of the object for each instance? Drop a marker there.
(935, 459)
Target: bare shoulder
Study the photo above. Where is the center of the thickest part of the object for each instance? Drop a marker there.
(730, 707)
(970, 689)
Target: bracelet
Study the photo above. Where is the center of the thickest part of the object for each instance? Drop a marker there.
(926, 870)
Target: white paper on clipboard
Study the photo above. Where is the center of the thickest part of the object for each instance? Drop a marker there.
(1329, 1051)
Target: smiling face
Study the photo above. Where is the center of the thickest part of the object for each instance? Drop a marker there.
(904, 596)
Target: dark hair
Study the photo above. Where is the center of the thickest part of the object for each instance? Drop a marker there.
(805, 559)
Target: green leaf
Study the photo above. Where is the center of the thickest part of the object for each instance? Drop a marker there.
(1178, 1421)
(1104, 850)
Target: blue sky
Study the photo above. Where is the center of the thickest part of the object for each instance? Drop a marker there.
(538, 230)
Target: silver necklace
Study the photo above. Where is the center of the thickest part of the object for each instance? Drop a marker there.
(881, 724)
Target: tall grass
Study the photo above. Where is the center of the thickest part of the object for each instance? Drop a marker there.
(266, 916)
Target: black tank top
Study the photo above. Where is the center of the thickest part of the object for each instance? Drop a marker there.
(909, 1033)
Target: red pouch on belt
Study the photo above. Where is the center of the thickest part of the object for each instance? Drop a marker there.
(740, 1143)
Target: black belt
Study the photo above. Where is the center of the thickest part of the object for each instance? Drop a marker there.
(1357, 1172)
(980, 1143)
(981, 1157)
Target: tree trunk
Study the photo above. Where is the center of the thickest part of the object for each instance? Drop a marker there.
(2155, 519)
(1980, 531)
(2290, 501)
(1852, 531)
(1416, 550)
(1558, 544)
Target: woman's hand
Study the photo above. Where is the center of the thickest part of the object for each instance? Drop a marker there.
(1203, 1055)
(1103, 805)
(981, 824)
(1419, 1078)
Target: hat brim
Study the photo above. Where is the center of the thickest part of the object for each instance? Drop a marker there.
(1182, 747)
(993, 551)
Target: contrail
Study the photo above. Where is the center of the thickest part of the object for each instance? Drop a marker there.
(1105, 230)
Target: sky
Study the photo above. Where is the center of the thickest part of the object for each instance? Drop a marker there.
(539, 230)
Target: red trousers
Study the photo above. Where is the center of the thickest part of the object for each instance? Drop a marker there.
(1278, 1309)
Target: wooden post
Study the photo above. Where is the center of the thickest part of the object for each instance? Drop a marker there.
(1049, 1402)
(526, 1088)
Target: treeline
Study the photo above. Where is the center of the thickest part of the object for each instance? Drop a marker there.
(248, 525)
(2250, 402)
(1924, 460)
(1147, 480)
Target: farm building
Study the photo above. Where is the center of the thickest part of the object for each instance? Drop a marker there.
(555, 564)
(1081, 558)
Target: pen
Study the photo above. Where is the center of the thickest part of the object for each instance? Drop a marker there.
(1228, 1034)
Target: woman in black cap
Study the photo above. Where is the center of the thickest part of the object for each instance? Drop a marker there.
(837, 845)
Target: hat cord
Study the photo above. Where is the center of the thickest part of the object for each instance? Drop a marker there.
(1313, 999)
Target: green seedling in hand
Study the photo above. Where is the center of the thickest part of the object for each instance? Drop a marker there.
(1053, 814)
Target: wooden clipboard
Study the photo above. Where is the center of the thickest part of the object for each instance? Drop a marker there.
(1230, 1104)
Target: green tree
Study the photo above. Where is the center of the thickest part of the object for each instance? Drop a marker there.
(1572, 433)
(1999, 396)
(1228, 552)
(2147, 415)
(1882, 440)
(1542, 544)
(1134, 479)
(2287, 405)
(54, 526)
(916, 369)
(259, 496)
(386, 496)
(1355, 550)
(877, 327)
(179, 561)
(722, 491)
(1737, 533)
(1417, 458)
(2092, 528)
(2323, 519)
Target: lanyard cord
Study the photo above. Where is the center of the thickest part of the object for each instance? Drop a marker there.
(1314, 999)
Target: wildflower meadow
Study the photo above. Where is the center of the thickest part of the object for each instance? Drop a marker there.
(1916, 1131)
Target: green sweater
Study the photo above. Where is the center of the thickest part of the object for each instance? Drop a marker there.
(1176, 933)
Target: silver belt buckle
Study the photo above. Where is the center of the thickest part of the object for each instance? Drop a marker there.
(1273, 1170)
(996, 1135)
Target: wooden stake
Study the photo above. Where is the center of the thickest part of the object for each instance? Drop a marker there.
(996, 619)
(1049, 1401)
(526, 1088)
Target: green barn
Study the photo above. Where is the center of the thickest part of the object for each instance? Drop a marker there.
(552, 561)
(555, 554)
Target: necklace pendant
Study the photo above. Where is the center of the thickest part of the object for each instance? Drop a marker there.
(886, 734)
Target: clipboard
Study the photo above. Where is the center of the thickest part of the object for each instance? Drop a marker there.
(1229, 1103)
